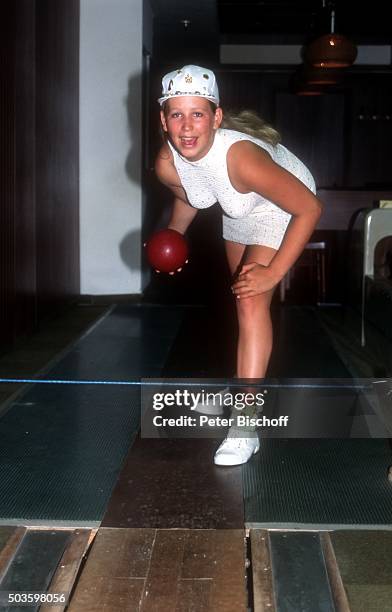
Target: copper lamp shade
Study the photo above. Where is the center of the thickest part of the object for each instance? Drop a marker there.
(331, 51)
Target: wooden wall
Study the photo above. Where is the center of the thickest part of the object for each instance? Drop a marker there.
(7, 168)
(57, 152)
(39, 167)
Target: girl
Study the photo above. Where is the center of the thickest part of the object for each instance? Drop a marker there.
(268, 202)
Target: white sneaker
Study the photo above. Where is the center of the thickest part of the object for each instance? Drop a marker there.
(214, 407)
(235, 451)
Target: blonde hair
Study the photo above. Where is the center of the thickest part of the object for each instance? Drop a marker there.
(251, 123)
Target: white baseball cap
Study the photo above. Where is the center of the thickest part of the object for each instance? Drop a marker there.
(190, 81)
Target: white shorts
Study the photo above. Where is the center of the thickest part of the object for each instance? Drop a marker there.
(264, 227)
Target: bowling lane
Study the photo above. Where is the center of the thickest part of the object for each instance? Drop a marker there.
(71, 454)
(173, 483)
(291, 482)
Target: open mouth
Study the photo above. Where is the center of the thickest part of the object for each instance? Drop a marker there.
(189, 142)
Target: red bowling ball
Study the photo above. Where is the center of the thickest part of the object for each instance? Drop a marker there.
(167, 250)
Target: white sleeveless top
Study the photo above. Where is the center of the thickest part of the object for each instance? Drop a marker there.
(248, 218)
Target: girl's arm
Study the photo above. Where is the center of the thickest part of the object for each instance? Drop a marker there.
(182, 212)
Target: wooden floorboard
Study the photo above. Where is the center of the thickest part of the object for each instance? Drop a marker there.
(164, 572)
(193, 595)
(174, 570)
(228, 591)
(114, 575)
(335, 580)
(10, 538)
(67, 569)
(263, 595)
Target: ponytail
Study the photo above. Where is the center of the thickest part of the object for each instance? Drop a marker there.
(249, 122)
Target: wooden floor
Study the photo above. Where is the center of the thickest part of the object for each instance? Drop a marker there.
(186, 570)
(142, 570)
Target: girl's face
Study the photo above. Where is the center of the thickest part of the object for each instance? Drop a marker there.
(190, 124)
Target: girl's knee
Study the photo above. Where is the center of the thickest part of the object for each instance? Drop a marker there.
(253, 307)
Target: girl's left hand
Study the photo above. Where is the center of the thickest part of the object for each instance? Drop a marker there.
(254, 279)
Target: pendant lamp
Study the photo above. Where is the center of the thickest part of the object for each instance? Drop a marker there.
(331, 50)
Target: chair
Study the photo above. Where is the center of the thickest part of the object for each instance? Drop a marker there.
(377, 225)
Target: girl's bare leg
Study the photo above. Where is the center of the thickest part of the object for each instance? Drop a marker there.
(253, 352)
(254, 318)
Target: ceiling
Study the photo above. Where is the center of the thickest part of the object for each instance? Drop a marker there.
(194, 29)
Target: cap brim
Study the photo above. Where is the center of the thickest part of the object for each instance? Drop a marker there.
(188, 95)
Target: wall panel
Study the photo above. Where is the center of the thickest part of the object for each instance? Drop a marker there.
(39, 168)
(7, 172)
